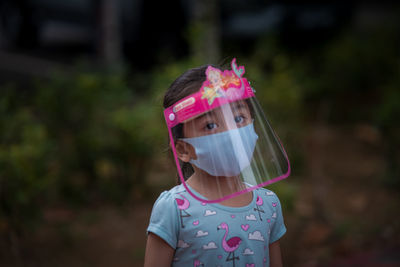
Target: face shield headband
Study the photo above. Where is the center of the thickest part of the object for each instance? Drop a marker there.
(221, 89)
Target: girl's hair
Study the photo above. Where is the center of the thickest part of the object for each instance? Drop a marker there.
(186, 84)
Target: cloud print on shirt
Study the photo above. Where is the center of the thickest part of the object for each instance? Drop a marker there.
(182, 244)
(256, 235)
(209, 212)
(248, 251)
(210, 245)
(200, 233)
(251, 217)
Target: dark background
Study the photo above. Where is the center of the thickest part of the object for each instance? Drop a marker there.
(83, 141)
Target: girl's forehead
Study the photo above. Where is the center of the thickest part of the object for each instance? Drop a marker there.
(234, 106)
(239, 106)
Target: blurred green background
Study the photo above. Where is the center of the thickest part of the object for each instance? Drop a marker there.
(83, 145)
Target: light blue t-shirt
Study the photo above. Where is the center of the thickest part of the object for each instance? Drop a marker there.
(216, 235)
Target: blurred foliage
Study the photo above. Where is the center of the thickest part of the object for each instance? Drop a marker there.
(93, 136)
(352, 79)
(78, 138)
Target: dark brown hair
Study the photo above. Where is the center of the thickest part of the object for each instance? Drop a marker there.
(186, 84)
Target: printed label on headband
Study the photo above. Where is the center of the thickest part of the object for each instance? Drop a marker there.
(184, 104)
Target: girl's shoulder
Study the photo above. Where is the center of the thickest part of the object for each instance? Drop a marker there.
(266, 191)
(169, 196)
(267, 194)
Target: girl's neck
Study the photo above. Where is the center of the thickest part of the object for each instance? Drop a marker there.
(212, 187)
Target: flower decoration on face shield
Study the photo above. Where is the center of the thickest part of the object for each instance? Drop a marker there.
(223, 84)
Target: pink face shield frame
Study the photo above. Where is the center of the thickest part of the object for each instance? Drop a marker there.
(220, 88)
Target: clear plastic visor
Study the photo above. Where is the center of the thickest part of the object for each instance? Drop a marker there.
(228, 151)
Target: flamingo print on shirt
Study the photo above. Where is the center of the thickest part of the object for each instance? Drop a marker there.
(259, 203)
(230, 245)
(197, 226)
(197, 263)
(183, 204)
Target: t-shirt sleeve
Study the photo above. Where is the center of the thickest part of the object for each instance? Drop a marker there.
(164, 219)
(278, 229)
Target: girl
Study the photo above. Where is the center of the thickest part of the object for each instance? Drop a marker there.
(225, 152)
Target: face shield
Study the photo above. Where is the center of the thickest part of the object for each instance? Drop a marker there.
(221, 140)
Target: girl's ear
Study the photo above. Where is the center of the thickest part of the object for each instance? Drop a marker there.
(185, 151)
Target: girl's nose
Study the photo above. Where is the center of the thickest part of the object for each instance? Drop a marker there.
(228, 118)
(229, 124)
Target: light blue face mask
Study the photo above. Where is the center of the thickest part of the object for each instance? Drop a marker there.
(226, 153)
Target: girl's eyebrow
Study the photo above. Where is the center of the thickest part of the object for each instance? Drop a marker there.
(235, 106)
(210, 113)
(238, 106)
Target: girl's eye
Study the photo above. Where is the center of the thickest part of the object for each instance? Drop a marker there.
(211, 126)
(239, 119)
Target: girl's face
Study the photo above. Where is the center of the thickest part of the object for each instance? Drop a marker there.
(227, 117)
